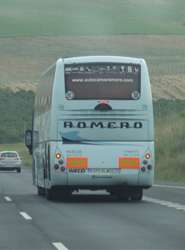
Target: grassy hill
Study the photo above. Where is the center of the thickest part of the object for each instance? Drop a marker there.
(91, 17)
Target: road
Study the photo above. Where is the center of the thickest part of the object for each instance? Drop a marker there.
(89, 220)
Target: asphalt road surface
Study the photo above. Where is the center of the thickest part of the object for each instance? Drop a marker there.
(89, 220)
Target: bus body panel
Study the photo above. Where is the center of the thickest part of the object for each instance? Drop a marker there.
(102, 164)
(103, 130)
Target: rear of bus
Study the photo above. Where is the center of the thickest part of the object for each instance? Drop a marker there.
(105, 125)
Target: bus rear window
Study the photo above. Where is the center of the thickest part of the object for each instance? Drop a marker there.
(102, 81)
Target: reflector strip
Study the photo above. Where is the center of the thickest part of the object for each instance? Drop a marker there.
(129, 163)
(76, 162)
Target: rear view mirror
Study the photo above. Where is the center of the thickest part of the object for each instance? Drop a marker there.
(28, 140)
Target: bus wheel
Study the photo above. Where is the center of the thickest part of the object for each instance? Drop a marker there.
(65, 194)
(41, 191)
(137, 195)
(49, 194)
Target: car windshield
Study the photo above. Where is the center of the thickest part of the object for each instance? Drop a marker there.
(8, 155)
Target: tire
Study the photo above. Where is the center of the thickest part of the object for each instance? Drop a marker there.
(18, 170)
(41, 191)
(122, 195)
(122, 198)
(64, 194)
(137, 195)
(49, 194)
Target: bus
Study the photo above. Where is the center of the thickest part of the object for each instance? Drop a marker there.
(93, 128)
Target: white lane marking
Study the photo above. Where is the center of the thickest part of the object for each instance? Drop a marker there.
(165, 203)
(59, 246)
(7, 198)
(26, 216)
(168, 186)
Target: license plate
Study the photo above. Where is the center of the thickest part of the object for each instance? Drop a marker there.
(104, 171)
(9, 165)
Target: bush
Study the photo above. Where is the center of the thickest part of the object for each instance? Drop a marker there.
(16, 114)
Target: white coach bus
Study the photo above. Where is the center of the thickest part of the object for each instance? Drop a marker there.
(93, 127)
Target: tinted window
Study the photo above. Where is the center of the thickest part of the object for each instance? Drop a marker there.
(9, 155)
(102, 81)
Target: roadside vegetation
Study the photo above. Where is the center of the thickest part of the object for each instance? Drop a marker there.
(170, 147)
(16, 114)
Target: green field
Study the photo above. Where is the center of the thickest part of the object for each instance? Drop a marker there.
(91, 17)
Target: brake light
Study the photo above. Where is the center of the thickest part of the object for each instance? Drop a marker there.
(56, 167)
(16, 159)
(2, 159)
(62, 169)
(149, 167)
(143, 169)
(102, 101)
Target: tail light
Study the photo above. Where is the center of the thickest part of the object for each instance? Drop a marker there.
(2, 159)
(149, 167)
(59, 161)
(16, 159)
(56, 166)
(147, 162)
(62, 169)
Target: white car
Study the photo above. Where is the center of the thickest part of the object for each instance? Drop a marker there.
(10, 160)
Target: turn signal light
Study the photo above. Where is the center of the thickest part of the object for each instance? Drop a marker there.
(58, 155)
(147, 156)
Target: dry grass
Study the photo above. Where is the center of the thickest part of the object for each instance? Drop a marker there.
(23, 59)
(168, 87)
(170, 147)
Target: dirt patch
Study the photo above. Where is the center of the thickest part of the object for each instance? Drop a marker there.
(168, 87)
(16, 86)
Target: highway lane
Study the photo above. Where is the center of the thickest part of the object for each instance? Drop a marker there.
(90, 220)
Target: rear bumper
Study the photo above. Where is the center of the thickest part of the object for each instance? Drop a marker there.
(111, 189)
(10, 168)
